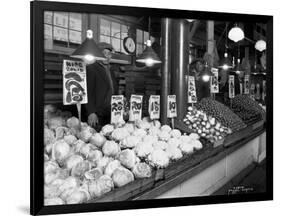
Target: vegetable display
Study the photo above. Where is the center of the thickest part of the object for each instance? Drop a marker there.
(221, 113)
(81, 165)
(247, 109)
(206, 126)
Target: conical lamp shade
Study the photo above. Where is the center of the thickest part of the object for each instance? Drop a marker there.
(148, 57)
(88, 49)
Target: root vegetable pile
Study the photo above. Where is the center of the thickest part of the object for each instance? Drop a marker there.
(221, 113)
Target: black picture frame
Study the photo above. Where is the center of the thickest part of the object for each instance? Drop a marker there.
(37, 103)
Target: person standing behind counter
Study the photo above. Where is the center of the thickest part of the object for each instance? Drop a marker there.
(101, 85)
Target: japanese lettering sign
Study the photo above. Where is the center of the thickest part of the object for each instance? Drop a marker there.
(246, 84)
(215, 81)
(74, 82)
(117, 108)
(231, 86)
(192, 98)
(154, 107)
(172, 106)
(135, 107)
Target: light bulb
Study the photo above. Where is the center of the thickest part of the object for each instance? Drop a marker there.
(206, 78)
(90, 34)
(89, 59)
(225, 67)
(149, 62)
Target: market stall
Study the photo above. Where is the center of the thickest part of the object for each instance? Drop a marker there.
(164, 139)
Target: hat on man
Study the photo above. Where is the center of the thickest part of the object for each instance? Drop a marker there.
(103, 45)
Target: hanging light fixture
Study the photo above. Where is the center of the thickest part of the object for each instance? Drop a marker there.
(206, 73)
(238, 68)
(260, 45)
(225, 63)
(148, 57)
(190, 20)
(88, 51)
(236, 34)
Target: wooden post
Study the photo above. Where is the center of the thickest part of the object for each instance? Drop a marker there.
(210, 40)
(180, 59)
(165, 67)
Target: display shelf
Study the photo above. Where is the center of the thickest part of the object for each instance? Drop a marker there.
(179, 171)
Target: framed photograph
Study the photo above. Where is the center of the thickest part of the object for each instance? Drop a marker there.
(142, 108)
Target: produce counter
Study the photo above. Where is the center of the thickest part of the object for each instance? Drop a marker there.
(201, 173)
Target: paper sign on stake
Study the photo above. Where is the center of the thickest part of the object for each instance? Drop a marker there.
(246, 84)
(231, 86)
(117, 108)
(172, 106)
(154, 107)
(215, 81)
(74, 82)
(192, 98)
(135, 107)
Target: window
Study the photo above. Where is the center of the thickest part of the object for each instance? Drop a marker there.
(142, 37)
(113, 33)
(63, 28)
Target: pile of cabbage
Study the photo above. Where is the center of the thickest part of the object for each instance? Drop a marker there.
(82, 164)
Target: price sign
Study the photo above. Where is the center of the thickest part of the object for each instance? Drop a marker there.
(172, 106)
(154, 107)
(74, 82)
(215, 81)
(263, 90)
(258, 95)
(192, 98)
(135, 107)
(117, 108)
(246, 84)
(231, 86)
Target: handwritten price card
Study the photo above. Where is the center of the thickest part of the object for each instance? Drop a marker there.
(117, 108)
(172, 106)
(74, 82)
(135, 107)
(154, 107)
(215, 81)
(192, 98)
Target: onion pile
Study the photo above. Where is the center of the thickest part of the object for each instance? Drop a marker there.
(206, 126)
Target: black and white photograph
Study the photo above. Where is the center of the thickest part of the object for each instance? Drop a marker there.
(143, 107)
